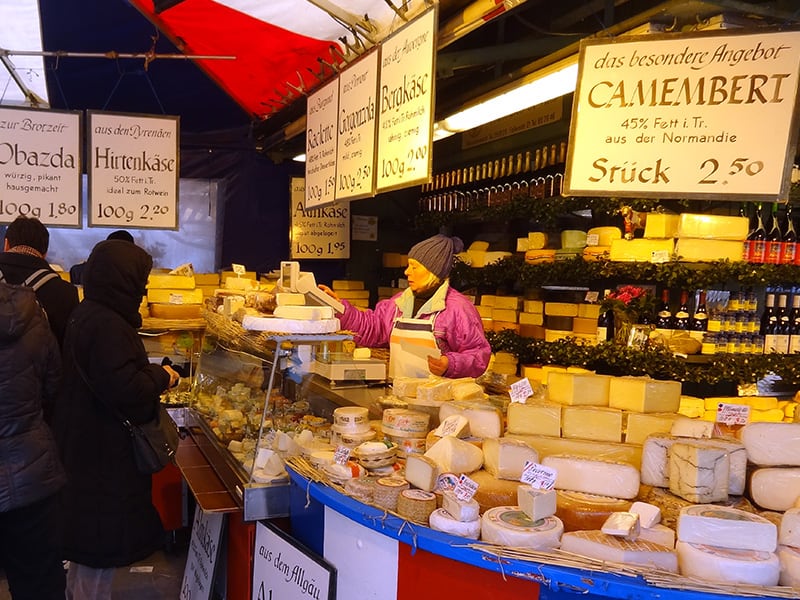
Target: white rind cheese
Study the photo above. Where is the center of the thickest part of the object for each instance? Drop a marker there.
(505, 458)
(422, 472)
(772, 444)
(455, 456)
(596, 544)
(536, 503)
(442, 520)
(509, 526)
(727, 528)
(593, 476)
(790, 566)
(775, 488)
(728, 565)
(789, 529)
(461, 510)
(698, 474)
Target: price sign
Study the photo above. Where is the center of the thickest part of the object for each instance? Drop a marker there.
(539, 476)
(198, 574)
(684, 116)
(733, 414)
(341, 455)
(521, 390)
(322, 232)
(238, 269)
(284, 569)
(134, 171)
(321, 137)
(40, 166)
(465, 488)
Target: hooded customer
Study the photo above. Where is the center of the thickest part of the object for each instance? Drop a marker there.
(429, 327)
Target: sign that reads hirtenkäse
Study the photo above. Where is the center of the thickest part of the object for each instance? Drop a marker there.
(317, 232)
(134, 171)
(40, 166)
(701, 115)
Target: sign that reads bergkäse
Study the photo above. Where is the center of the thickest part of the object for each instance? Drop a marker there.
(701, 115)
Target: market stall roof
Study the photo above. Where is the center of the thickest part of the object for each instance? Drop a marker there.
(254, 61)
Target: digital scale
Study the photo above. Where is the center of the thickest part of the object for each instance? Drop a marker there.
(344, 369)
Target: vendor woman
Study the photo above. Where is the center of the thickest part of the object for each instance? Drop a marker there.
(429, 327)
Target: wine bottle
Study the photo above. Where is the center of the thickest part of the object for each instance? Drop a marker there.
(769, 324)
(758, 239)
(605, 323)
(700, 317)
(664, 314)
(783, 327)
(789, 242)
(772, 249)
(794, 330)
(769, 314)
(750, 230)
(681, 319)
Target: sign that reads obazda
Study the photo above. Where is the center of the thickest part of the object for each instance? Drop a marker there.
(702, 115)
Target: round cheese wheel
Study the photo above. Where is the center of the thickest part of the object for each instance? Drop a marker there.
(402, 422)
(387, 490)
(509, 526)
(441, 520)
(579, 511)
(416, 505)
(362, 488)
(790, 566)
(351, 419)
(493, 491)
(351, 440)
(728, 565)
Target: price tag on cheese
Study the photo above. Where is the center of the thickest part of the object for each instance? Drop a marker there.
(176, 298)
(238, 269)
(465, 488)
(593, 239)
(733, 414)
(659, 256)
(539, 476)
(341, 455)
(521, 390)
(592, 296)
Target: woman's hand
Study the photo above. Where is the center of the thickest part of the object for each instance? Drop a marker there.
(328, 291)
(174, 376)
(438, 366)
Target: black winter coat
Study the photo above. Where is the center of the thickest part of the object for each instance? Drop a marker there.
(57, 297)
(110, 520)
(30, 367)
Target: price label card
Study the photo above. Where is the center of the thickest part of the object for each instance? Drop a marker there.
(176, 298)
(659, 256)
(449, 426)
(592, 296)
(341, 455)
(521, 390)
(593, 239)
(465, 488)
(733, 414)
(539, 476)
(238, 269)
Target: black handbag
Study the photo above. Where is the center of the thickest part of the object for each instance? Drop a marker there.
(154, 443)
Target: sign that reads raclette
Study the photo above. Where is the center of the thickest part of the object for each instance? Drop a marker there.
(134, 170)
(405, 121)
(40, 166)
(701, 115)
(355, 172)
(321, 138)
(317, 232)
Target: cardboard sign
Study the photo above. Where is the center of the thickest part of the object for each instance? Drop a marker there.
(198, 575)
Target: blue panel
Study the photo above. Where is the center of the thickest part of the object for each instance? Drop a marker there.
(307, 516)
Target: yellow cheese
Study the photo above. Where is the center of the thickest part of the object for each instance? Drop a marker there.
(537, 240)
(592, 423)
(207, 279)
(177, 311)
(584, 389)
(165, 296)
(479, 245)
(547, 446)
(553, 335)
(661, 225)
(534, 418)
(505, 314)
(232, 282)
(712, 402)
(533, 373)
(526, 318)
(692, 407)
(504, 368)
(488, 300)
(170, 282)
(484, 311)
(773, 415)
(640, 425)
(697, 250)
(602, 236)
(533, 306)
(347, 284)
(641, 394)
(353, 294)
(573, 238)
(505, 357)
(713, 227)
(596, 252)
(507, 302)
(522, 244)
(540, 256)
(641, 250)
(762, 402)
(560, 309)
(584, 326)
(589, 311)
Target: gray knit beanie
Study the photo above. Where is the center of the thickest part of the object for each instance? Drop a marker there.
(436, 253)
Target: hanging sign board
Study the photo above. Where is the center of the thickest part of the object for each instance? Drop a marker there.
(40, 166)
(198, 574)
(321, 232)
(134, 170)
(284, 569)
(704, 115)
(321, 139)
(405, 106)
(355, 173)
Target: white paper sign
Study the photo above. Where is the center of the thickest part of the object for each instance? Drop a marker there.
(198, 575)
(321, 138)
(733, 414)
(365, 228)
(521, 390)
(322, 232)
(539, 476)
(40, 167)
(134, 171)
(685, 116)
(465, 488)
(405, 122)
(284, 569)
(355, 165)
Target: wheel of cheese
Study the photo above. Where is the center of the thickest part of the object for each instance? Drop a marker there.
(596, 544)
(341, 473)
(351, 419)
(579, 511)
(362, 488)
(728, 565)
(416, 505)
(509, 526)
(492, 491)
(405, 423)
(441, 520)
(775, 488)
(351, 440)
(789, 557)
(406, 446)
(727, 528)
(387, 490)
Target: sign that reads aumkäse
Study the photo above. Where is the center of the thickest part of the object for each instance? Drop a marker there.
(701, 115)
(317, 232)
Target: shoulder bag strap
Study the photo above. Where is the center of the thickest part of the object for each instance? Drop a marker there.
(38, 278)
(125, 422)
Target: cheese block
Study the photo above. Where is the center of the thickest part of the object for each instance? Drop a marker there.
(455, 456)
(641, 250)
(304, 313)
(594, 476)
(588, 311)
(467, 390)
(537, 240)
(727, 528)
(533, 256)
(578, 388)
(691, 407)
(536, 503)
(642, 394)
(713, 227)
(698, 473)
(772, 444)
(485, 419)
(207, 279)
(591, 253)
(789, 528)
(534, 418)
(441, 520)
(533, 306)
(506, 315)
(592, 423)
(416, 505)
(775, 488)
(233, 282)
(692, 428)
(548, 445)
(422, 472)
(640, 425)
(290, 299)
(493, 491)
(695, 250)
(560, 309)
(505, 458)
(435, 390)
(509, 526)
(580, 511)
(658, 534)
(174, 282)
(789, 558)
(461, 510)
(761, 402)
(622, 524)
(174, 296)
(728, 565)
(573, 238)
(655, 459)
(176, 311)
(406, 387)
(456, 425)
(649, 514)
(609, 548)
(603, 236)
(661, 225)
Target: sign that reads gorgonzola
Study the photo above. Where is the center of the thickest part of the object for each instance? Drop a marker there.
(134, 171)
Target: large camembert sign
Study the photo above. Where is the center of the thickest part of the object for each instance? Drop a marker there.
(686, 116)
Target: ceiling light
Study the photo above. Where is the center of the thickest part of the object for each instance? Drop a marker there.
(299, 158)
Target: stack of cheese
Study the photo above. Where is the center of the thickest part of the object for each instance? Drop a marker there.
(394, 260)
(352, 291)
(500, 312)
(173, 296)
(774, 451)
(570, 319)
(789, 547)
(351, 427)
(598, 242)
(504, 363)
(478, 254)
(705, 238)
(762, 408)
